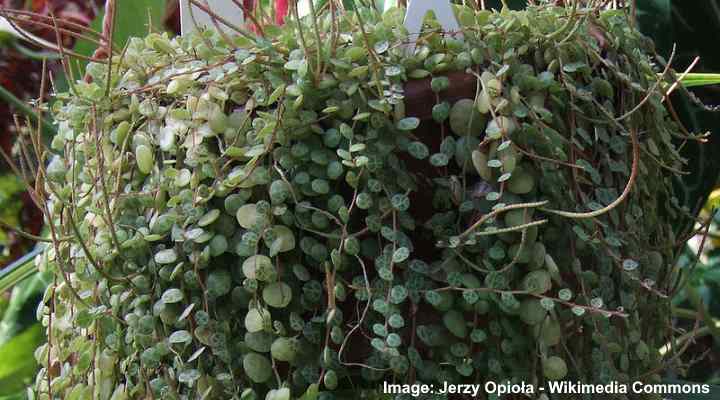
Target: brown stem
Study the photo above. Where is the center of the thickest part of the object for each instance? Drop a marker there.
(619, 200)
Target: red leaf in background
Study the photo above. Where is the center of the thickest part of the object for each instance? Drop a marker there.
(281, 11)
(248, 7)
(171, 19)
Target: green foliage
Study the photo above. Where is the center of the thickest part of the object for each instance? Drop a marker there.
(132, 19)
(20, 335)
(19, 366)
(10, 188)
(19, 313)
(263, 212)
(19, 270)
(694, 80)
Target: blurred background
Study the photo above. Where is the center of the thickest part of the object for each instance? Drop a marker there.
(690, 25)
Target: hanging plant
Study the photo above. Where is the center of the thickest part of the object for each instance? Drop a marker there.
(312, 213)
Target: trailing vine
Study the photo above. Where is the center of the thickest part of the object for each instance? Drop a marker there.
(269, 219)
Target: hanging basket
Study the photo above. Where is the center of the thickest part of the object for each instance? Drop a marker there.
(318, 211)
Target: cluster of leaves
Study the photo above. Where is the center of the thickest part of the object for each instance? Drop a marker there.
(240, 219)
(20, 77)
(20, 73)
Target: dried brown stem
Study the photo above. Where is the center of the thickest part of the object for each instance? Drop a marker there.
(36, 17)
(18, 22)
(220, 19)
(619, 200)
(652, 90)
(250, 15)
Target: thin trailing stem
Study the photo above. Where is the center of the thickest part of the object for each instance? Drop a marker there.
(24, 234)
(39, 23)
(251, 15)
(57, 47)
(511, 229)
(498, 211)
(359, 323)
(688, 338)
(103, 186)
(317, 38)
(34, 18)
(702, 312)
(108, 33)
(619, 200)
(682, 76)
(222, 20)
(22, 107)
(219, 29)
(65, 63)
(591, 309)
(652, 90)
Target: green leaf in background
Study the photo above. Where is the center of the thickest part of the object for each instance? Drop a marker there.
(20, 335)
(20, 311)
(696, 80)
(19, 270)
(18, 366)
(10, 191)
(20, 395)
(131, 20)
(4, 303)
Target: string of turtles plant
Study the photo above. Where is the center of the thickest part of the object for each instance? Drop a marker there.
(235, 217)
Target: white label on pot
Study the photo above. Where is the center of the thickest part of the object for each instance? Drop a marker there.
(193, 17)
(418, 9)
